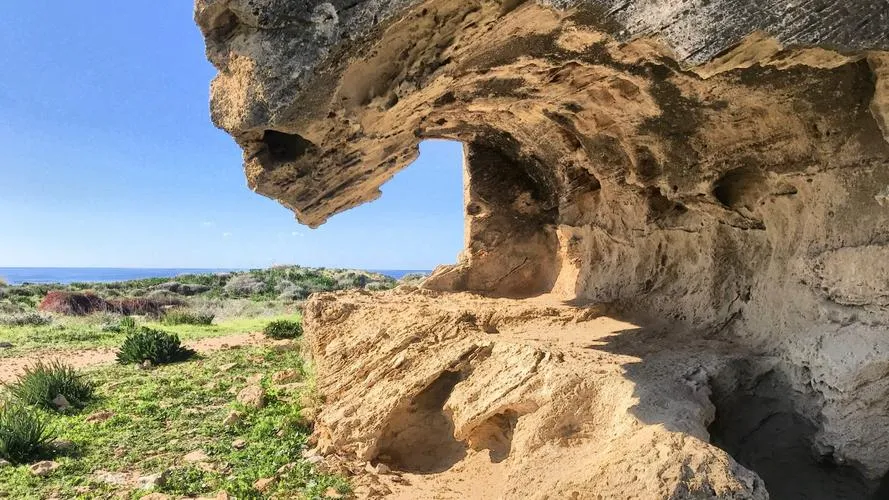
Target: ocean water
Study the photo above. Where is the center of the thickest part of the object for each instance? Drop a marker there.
(65, 275)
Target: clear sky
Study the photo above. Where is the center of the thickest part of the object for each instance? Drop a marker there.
(108, 158)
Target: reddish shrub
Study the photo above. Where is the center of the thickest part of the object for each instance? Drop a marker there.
(72, 304)
(81, 304)
(135, 306)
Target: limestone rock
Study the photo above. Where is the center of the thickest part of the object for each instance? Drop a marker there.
(263, 484)
(99, 416)
(44, 468)
(196, 457)
(714, 174)
(232, 419)
(286, 376)
(252, 396)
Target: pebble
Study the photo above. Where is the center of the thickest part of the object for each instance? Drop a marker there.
(61, 403)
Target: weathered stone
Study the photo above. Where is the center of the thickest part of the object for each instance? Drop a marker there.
(196, 456)
(252, 396)
(263, 484)
(717, 173)
(44, 468)
(112, 478)
(232, 419)
(99, 416)
(61, 403)
(286, 376)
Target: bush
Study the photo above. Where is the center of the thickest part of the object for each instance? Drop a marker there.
(244, 285)
(283, 329)
(184, 317)
(120, 324)
(25, 319)
(72, 304)
(24, 435)
(155, 346)
(44, 382)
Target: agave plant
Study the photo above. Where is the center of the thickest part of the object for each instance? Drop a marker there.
(42, 384)
(155, 346)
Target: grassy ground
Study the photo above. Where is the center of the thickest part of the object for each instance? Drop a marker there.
(88, 332)
(163, 414)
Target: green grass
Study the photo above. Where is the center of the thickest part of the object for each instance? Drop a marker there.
(163, 414)
(84, 333)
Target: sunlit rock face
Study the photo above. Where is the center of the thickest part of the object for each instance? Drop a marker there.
(720, 164)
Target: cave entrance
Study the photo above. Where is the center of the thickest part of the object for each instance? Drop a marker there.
(757, 424)
(511, 246)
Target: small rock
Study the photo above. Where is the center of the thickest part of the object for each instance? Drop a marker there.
(196, 456)
(332, 493)
(146, 365)
(44, 468)
(152, 481)
(309, 415)
(99, 416)
(284, 469)
(252, 396)
(5, 345)
(286, 376)
(113, 478)
(61, 403)
(263, 484)
(62, 445)
(232, 419)
(156, 496)
(239, 444)
(227, 367)
(383, 469)
(4, 463)
(254, 379)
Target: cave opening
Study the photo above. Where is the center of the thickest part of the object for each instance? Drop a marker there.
(758, 423)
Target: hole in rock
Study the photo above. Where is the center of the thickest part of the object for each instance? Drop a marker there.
(420, 438)
(740, 188)
(496, 435)
(284, 147)
(756, 423)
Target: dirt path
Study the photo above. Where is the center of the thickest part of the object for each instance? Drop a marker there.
(10, 368)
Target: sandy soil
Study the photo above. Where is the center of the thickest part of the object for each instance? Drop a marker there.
(10, 368)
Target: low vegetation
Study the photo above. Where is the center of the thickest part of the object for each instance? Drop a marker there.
(25, 435)
(52, 386)
(169, 430)
(157, 347)
(283, 329)
(186, 317)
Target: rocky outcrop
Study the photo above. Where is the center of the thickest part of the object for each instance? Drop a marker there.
(721, 166)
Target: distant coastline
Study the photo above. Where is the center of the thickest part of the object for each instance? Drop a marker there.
(67, 275)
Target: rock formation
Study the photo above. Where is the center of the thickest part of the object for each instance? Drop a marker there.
(716, 172)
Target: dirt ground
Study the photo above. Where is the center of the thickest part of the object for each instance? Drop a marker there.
(10, 368)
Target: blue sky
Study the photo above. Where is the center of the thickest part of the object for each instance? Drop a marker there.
(108, 158)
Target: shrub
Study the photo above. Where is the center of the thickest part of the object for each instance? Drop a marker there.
(243, 285)
(120, 324)
(127, 323)
(24, 435)
(72, 304)
(25, 319)
(185, 317)
(283, 329)
(155, 346)
(44, 382)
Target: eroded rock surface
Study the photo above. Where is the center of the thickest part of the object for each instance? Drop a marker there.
(721, 167)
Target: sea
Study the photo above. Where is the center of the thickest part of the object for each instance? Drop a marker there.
(65, 275)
